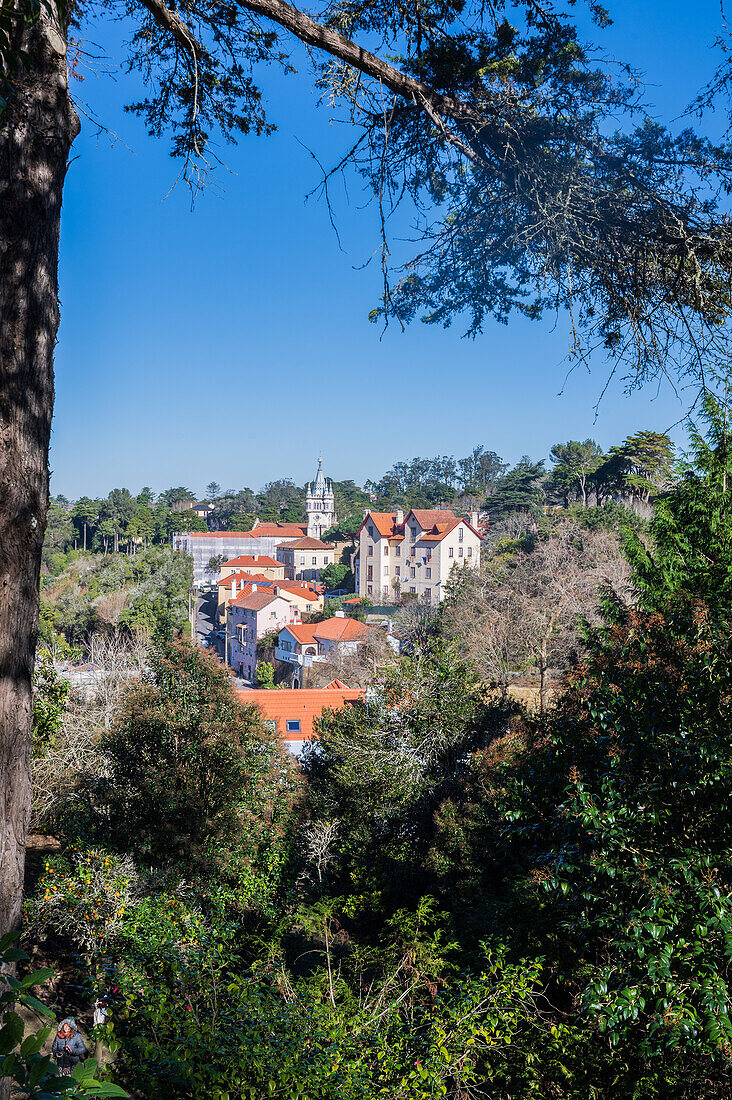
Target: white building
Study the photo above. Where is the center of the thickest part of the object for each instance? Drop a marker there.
(413, 554)
(305, 559)
(320, 504)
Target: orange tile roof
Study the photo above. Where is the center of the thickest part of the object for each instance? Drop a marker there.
(385, 523)
(304, 633)
(254, 601)
(216, 535)
(266, 530)
(303, 705)
(252, 560)
(308, 544)
(340, 629)
(428, 517)
(300, 588)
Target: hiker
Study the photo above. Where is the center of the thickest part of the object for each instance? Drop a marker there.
(68, 1047)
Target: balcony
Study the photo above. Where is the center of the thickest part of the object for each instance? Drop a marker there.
(304, 660)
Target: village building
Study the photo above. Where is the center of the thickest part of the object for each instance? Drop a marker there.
(413, 554)
(252, 615)
(263, 539)
(261, 564)
(299, 645)
(293, 715)
(235, 585)
(305, 559)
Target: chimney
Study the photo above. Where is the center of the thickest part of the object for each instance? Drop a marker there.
(399, 517)
(254, 588)
(256, 557)
(276, 590)
(474, 520)
(233, 587)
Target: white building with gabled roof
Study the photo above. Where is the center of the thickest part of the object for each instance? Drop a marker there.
(413, 554)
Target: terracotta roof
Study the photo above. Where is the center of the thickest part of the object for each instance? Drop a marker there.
(385, 523)
(301, 589)
(254, 601)
(304, 633)
(308, 544)
(249, 561)
(294, 530)
(428, 517)
(244, 578)
(303, 705)
(340, 629)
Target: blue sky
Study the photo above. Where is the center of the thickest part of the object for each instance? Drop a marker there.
(232, 342)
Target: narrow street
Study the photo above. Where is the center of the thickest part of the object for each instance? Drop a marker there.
(206, 633)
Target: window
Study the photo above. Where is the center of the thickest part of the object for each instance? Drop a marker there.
(308, 607)
(273, 614)
(461, 533)
(452, 553)
(460, 552)
(398, 551)
(370, 573)
(470, 551)
(386, 570)
(371, 550)
(287, 646)
(369, 590)
(397, 571)
(386, 549)
(412, 573)
(414, 551)
(293, 725)
(315, 559)
(428, 574)
(371, 531)
(412, 589)
(427, 595)
(414, 532)
(302, 560)
(429, 555)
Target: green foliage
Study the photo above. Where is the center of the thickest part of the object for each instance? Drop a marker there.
(519, 490)
(690, 549)
(50, 694)
(146, 593)
(31, 1072)
(337, 575)
(265, 674)
(183, 759)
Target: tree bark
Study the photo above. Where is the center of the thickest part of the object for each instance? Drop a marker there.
(36, 131)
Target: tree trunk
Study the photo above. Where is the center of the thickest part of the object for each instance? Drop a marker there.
(36, 132)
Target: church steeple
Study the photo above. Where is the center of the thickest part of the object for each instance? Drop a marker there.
(320, 504)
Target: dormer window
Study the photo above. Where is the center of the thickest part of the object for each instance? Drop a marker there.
(371, 531)
(460, 536)
(414, 532)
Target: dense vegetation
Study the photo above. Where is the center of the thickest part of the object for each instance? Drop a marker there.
(451, 896)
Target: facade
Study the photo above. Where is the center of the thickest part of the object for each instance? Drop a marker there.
(236, 584)
(261, 564)
(320, 504)
(293, 715)
(252, 615)
(413, 554)
(305, 559)
(262, 539)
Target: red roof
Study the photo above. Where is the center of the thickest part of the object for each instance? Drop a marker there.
(266, 530)
(300, 588)
(385, 523)
(340, 629)
(254, 601)
(301, 705)
(250, 561)
(304, 633)
(308, 544)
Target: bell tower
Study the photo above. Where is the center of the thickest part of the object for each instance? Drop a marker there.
(320, 504)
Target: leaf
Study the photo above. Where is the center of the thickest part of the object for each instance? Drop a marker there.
(11, 1033)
